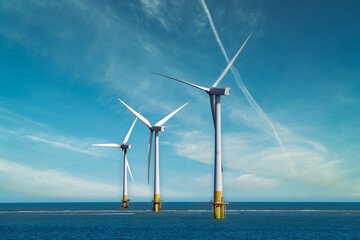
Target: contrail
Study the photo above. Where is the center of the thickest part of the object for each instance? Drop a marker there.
(241, 85)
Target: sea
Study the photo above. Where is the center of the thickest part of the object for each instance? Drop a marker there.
(186, 220)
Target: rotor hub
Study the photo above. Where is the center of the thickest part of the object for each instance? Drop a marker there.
(219, 91)
(158, 128)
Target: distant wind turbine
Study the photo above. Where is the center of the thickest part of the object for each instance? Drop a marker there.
(124, 147)
(158, 127)
(214, 93)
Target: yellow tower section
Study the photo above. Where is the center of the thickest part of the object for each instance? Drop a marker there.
(157, 203)
(218, 206)
(125, 202)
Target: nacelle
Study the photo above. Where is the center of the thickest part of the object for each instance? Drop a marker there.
(125, 146)
(219, 91)
(158, 128)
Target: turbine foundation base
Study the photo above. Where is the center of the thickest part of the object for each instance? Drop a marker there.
(157, 206)
(219, 210)
(125, 203)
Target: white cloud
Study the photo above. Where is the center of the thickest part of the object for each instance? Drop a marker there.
(195, 145)
(265, 165)
(153, 9)
(244, 182)
(12, 117)
(252, 17)
(68, 143)
(248, 116)
(140, 190)
(102, 37)
(146, 191)
(24, 179)
(249, 182)
(20, 178)
(179, 16)
(23, 127)
(205, 182)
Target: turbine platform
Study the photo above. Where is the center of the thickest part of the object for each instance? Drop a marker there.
(125, 202)
(157, 206)
(219, 209)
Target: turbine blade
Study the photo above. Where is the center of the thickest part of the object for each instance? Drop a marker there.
(144, 120)
(128, 134)
(107, 145)
(127, 165)
(212, 104)
(149, 156)
(163, 121)
(230, 63)
(197, 86)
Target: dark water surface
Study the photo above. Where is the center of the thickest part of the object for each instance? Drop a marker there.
(179, 221)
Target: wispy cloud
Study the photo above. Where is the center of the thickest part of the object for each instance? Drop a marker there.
(15, 177)
(66, 146)
(245, 182)
(24, 179)
(195, 145)
(54, 183)
(145, 191)
(256, 155)
(97, 26)
(241, 151)
(140, 190)
(23, 127)
(13, 118)
(250, 182)
(153, 9)
(252, 18)
(108, 47)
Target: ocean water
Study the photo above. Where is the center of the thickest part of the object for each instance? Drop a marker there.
(179, 221)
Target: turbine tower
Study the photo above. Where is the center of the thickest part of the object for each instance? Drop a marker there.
(158, 127)
(124, 147)
(214, 93)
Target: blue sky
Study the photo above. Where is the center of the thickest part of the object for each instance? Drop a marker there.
(64, 64)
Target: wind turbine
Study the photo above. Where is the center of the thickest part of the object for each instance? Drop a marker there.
(214, 93)
(158, 127)
(124, 147)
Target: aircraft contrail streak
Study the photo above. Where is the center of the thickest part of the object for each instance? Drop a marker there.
(241, 85)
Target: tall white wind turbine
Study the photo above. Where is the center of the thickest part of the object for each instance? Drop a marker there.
(158, 127)
(214, 93)
(124, 147)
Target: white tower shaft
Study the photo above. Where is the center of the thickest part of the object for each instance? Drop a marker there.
(156, 169)
(218, 163)
(218, 204)
(125, 191)
(156, 201)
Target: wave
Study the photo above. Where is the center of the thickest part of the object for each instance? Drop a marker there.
(192, 211)
(297, 210)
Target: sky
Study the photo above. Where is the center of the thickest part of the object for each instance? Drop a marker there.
(290, 127)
